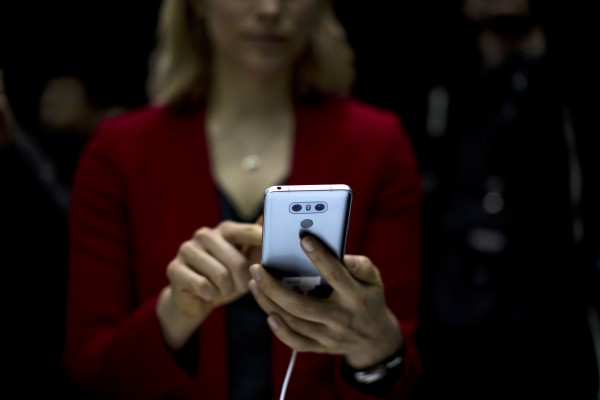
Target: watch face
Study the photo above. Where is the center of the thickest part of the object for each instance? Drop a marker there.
(372, 375)
(377, 372)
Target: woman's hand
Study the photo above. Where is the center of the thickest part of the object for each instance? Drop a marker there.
(354, 321)
(210, 270)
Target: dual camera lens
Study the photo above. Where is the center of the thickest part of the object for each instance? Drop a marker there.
(308, 207)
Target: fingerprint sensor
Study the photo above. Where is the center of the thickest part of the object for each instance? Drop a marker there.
(306, 223)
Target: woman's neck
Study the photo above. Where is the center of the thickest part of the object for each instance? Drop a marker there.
(243, 97)
(250, 129)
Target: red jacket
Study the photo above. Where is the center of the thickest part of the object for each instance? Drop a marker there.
(144, 186)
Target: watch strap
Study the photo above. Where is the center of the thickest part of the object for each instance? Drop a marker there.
(378, 379)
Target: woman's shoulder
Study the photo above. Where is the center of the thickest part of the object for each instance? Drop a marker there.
(136, 119)
(145, 122)
(146, 130)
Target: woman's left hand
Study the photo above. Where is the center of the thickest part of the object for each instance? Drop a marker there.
(354, 321)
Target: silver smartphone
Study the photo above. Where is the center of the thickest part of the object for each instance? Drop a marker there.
(290, 212)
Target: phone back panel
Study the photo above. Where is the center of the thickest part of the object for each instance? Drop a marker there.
(292, 211)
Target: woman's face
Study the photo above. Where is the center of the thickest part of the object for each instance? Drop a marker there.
(262, 36)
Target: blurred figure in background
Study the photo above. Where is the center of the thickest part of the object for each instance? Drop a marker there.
(510, 217)
(36, 168)
(33, 257)
(50, 100)
(68, 115)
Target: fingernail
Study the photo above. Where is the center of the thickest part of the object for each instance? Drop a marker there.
(272, 323)
(308, 243)
(255, 272)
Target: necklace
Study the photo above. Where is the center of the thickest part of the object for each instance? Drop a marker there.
(254, 158)
(253, 154)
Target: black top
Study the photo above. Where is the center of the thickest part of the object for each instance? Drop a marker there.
(248, 337)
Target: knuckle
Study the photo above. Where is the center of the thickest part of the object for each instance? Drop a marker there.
(360, 302)
(221, 278)
(297, 308)
(334, 274)
(237, 262)
(363, 261)
(186, 247)
(304, 347)
(226, 227)
(227, 224)
(297, 324)
(199, 286)
(203, 233)
(318, 257)
(171, 270)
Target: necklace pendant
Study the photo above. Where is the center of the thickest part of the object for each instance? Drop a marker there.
(251, 162)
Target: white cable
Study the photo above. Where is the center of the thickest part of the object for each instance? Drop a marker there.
(287, 375)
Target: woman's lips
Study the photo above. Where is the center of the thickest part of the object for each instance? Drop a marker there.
(268, 38)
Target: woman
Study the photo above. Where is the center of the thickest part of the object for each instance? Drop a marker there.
(248, 94)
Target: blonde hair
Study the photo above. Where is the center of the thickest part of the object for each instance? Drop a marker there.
(179, 66)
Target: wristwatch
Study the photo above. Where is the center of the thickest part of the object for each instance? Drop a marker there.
(379, 371)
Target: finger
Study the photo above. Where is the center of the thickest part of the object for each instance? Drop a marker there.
(244, 235)
(329, 266)
(362, 269)
(275, 298)
(227, 255)
(291, 338)
(298, 326)
(264, 302)
(197, 258)
(315, 332)
(239, 233)
(181, 276)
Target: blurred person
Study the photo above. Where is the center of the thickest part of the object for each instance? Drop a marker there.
(166, 207)
(65, 105)
(68, 114)
(510, 216)
(37, 159)
(30, 207)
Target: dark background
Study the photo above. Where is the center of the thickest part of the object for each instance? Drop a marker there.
(400, 45)
(401, 48)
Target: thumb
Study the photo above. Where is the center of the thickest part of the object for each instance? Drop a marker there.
(362, 269)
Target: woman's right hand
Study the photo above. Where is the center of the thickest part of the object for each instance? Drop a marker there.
(211, 269)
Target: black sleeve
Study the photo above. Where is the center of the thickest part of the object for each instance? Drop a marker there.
(187, 356)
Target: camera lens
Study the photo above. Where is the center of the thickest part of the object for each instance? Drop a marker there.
(320, 207)
(296, 207)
